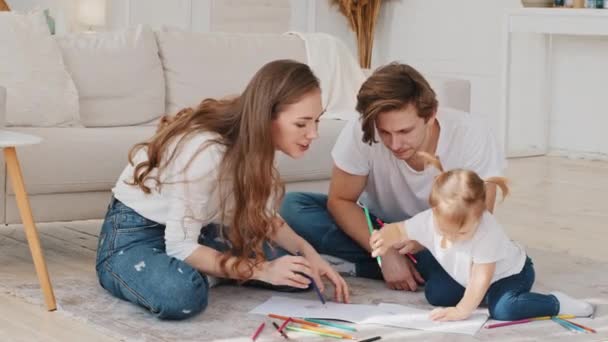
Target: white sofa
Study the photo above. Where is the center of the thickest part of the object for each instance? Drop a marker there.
(70, 174)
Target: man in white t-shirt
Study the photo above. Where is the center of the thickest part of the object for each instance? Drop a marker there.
(375, 164)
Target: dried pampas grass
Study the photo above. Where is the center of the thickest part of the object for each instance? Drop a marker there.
(362, 16)
(4, 6)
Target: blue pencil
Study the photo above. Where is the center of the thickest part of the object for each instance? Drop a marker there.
(314, 284)
(564, 324)
(570, 325)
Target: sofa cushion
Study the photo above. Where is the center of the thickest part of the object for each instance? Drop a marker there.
(40, 92)
(118, 75)
(203, 65)
(97, 156)
(77, 159)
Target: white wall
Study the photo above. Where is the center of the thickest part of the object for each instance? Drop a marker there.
(579, 120)
(198, 15)
(461, 39)
(65, 10)
(261, 16)
(464, 39)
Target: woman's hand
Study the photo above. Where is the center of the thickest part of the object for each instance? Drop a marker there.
(286, 270)
(322, 269)
(449, 314)
(385, 238)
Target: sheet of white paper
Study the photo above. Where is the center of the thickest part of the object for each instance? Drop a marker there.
(407, 317)
(314, 309)
(394, 315)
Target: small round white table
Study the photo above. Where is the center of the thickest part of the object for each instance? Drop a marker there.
(8, 142)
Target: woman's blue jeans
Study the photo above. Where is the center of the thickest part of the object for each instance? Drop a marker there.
(132, 264)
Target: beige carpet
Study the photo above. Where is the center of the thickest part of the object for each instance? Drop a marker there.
(226, 318)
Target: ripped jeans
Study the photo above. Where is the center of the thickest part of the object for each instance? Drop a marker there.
(132, 264)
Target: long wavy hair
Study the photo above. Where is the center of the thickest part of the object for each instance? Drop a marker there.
(247, 171)
(459, 195)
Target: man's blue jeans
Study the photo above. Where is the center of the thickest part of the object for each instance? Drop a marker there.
(132, 264)
(507, 299)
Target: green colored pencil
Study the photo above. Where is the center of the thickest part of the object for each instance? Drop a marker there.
(289, 327)
(331, 324)
(371, 231)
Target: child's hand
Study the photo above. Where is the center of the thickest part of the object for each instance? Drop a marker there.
(449, 314)
(387, 237)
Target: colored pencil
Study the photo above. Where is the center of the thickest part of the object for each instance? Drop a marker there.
(280, 330)
(314, 286)
(371, 230)
(327, 331)
(371, 339)
(289, 327)
(258, 331)
(284, 324)
(314, 283)
(581, 326)
(409, 255)
(573, 326)
(331, 324)
(541, 318)
(295, 320)
(563, 324)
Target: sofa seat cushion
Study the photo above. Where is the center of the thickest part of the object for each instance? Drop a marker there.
(118, 74)
(203, 65)
(76, 159)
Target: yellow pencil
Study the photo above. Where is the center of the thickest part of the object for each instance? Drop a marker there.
(542, 318)
(327, 331)
(289, 327)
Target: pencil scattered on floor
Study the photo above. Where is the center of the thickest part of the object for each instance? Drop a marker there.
(562, 320)
(258, 331)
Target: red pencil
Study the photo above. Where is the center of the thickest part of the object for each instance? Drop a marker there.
(525, 320)
(409, 255)
(258, 331)
(504, 324)
(284, 324)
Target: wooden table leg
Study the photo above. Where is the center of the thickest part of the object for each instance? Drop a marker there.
(31, 233)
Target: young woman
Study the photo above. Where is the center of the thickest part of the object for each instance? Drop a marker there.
(199, 199)
(471, 246)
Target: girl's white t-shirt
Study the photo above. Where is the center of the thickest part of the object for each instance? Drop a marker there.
(394, 191)
(489, 244)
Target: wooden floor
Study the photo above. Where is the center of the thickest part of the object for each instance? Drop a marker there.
(556, 204)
